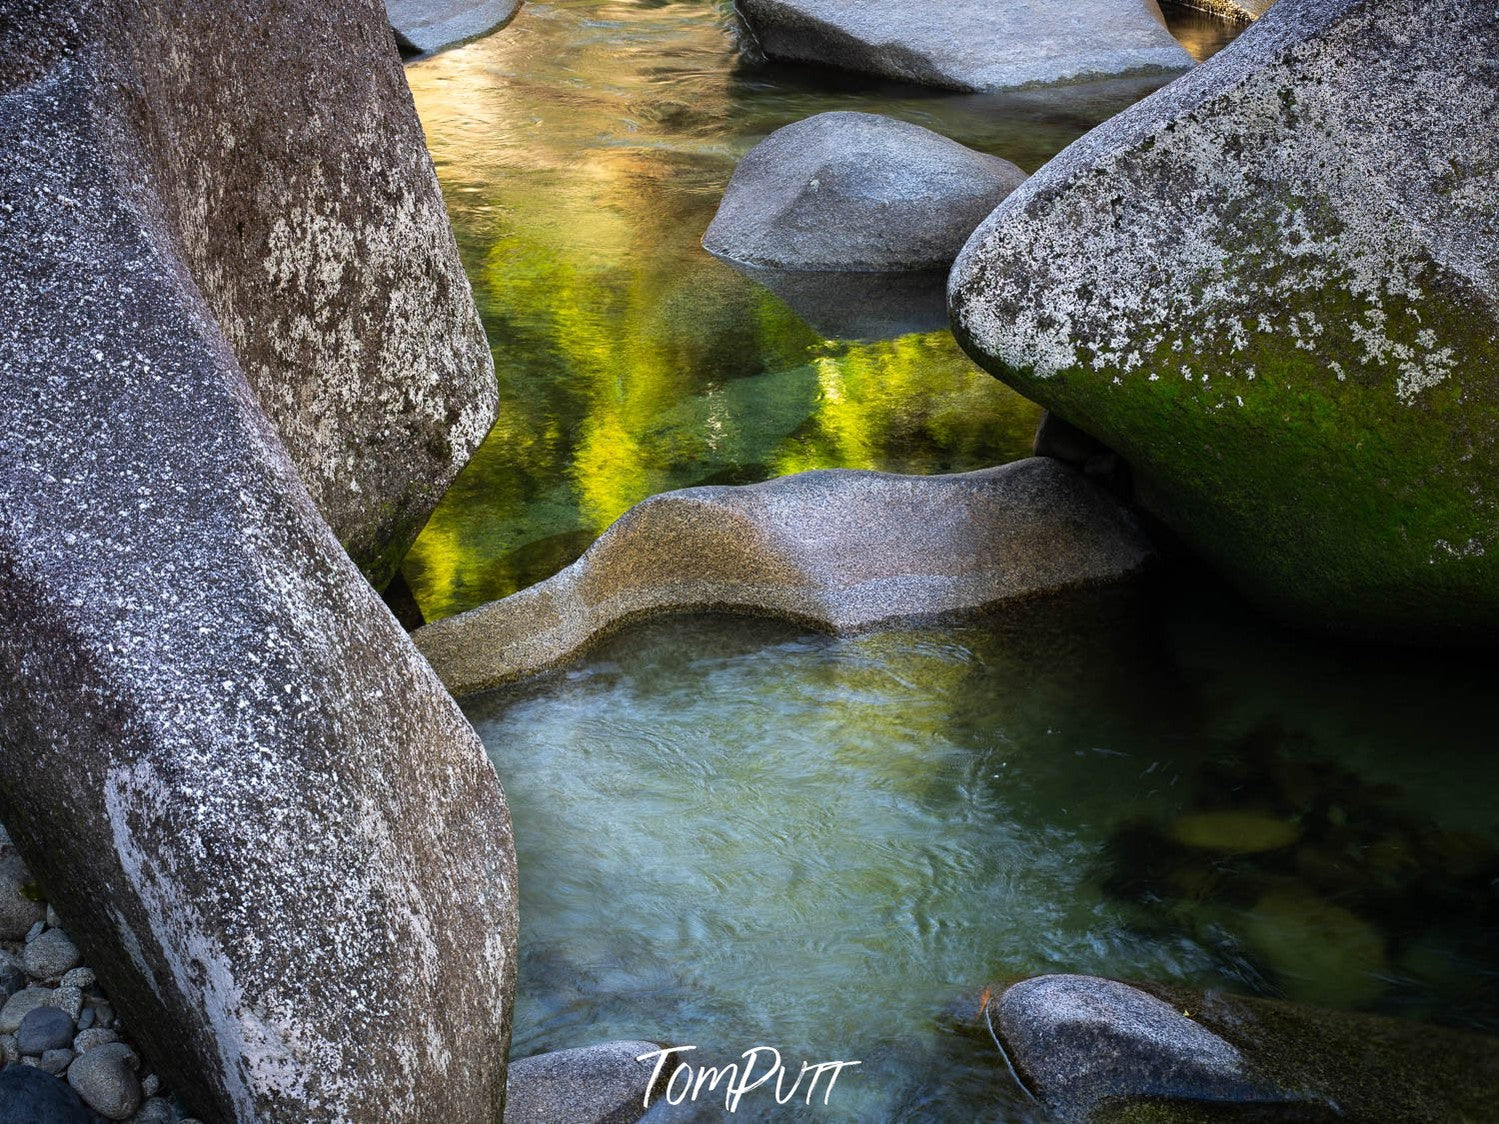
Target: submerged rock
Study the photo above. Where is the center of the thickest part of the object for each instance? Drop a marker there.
(602, 1084)
(1243, 10)
(969, 44)
(856, 191)
(837, 549)
(1273, 288)
(430, 25)
(232, 773)
(1100, 1050)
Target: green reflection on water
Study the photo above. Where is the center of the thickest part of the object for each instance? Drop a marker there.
(582, 152)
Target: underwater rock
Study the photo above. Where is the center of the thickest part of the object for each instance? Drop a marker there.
(1320, 952)
(1234, 832)
(223, 759)
(1273, 288)
(1160, 1047)
(969, 44)
(602, 1084)
(856, 192)
(859, 306)
(836, 549)
(431, 25)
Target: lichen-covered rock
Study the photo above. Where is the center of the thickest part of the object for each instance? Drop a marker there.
(1273, 287)
(856, 191)
(281, 151)
(969, 44)
(838, 549)
(222, 758)
(430, 25)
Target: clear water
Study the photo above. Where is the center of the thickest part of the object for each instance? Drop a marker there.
(582, 152)
(733, 833)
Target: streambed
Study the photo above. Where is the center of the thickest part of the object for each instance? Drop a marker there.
(734, 833)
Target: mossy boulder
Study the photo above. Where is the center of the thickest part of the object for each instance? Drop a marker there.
(1274, 288)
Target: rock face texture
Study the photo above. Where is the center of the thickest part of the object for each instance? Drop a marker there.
(838, 549)
(315, 234)
(1273, 288)
(274, 835)
(1095, 1049)
(430, 25)
(969, 44)
(856, 191)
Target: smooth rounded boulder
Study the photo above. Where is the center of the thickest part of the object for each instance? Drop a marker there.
(856, 192)
(970, 45)
(1273, 288)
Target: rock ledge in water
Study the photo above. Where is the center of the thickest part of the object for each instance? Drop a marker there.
(970, 44)
(602, 1084)
(431, 25)
(837, 549)
(857, 191)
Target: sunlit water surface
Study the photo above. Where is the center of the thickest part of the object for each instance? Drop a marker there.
(582, 152)
(732, 833)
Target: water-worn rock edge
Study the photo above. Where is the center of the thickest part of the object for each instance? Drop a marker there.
(837, 549)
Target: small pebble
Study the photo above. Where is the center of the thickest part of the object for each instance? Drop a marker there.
(43, 1029)
(36, 930)
(52, 919)
(10, 1049)
(51, 955)
(156, 1110)
(82, 978)
(69, 999)
(150, 1084)
(55, 1061)
(105, 1079)
(104, 1015)
(12, 979)
(86, 1019)
(88, 1039)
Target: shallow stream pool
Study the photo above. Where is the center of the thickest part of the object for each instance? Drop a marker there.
(733, 833)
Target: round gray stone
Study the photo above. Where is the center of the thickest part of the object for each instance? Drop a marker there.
(45, 1028)
(95, 1036)
(105, 1079)
(51, 955)
(601, 1084)
(857, 192)
(19, 1005)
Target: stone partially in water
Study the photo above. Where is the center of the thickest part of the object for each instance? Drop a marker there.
(1244, 833)
(602, 1084)
(1078, 1041)
(856, 191)
(430, 25)
(839, 549)
(1273, 288)
(970, 44)
(1100, 1050)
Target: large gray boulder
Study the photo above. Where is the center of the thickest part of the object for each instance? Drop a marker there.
(856, 191)
(274, 835)
(970, 44)
(423, 26)
(1273, 287)
(291, 171)
(840, 550)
